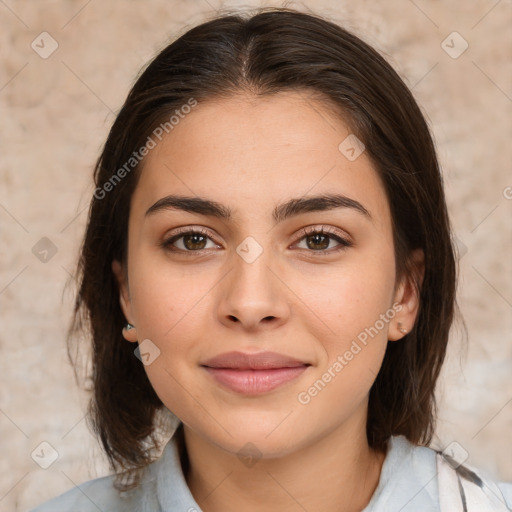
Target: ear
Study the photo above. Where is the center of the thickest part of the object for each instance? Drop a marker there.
(407, 295)
(124, 299)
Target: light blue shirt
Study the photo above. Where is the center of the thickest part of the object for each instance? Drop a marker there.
(408, 483)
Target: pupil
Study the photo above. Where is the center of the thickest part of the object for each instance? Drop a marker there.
(195, 241)
(316, 241)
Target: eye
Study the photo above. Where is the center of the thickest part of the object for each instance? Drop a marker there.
(189, 240)
(318, 240)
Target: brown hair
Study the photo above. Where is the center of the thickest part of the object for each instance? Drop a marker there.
(272, 51)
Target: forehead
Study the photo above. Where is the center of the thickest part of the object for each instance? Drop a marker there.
(250, 153)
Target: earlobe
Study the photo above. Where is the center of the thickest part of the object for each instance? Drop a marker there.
(129, 331)
(401, 328)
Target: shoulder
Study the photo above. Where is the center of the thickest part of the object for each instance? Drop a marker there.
(99, 494)
(162, 487)
(420, 478)
(407, 480)
(467, 489)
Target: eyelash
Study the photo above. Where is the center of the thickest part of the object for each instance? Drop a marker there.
(304, 232)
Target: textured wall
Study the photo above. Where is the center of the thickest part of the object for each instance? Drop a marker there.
(55, 114)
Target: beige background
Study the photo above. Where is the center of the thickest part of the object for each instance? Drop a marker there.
(55, 114)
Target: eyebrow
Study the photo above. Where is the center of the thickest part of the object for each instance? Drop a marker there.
(280, 213)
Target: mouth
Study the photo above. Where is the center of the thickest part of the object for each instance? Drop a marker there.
(254, 374)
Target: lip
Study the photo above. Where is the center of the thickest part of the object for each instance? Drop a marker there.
(254, 374)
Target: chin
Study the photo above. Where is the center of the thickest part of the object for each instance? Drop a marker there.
(268, 438)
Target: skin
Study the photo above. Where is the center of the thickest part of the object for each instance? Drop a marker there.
(251, 154)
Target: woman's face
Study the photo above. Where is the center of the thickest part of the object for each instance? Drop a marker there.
(207, 307)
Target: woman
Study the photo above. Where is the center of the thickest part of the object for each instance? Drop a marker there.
(268, 257)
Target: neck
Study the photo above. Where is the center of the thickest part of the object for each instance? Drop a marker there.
(338, 472)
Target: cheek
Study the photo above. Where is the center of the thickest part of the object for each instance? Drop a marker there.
(358, 310)
(166, 299)
(169, 307)
(350, 298)
(172, 308)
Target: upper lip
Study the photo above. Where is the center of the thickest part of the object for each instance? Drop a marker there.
(256, 361)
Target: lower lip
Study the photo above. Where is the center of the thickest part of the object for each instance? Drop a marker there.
(254, 382)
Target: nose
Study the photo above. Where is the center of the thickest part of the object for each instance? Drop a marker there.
(253, 295)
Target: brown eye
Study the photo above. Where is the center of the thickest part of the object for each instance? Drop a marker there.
(188, 241)
(318, 240)
(194, 241)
